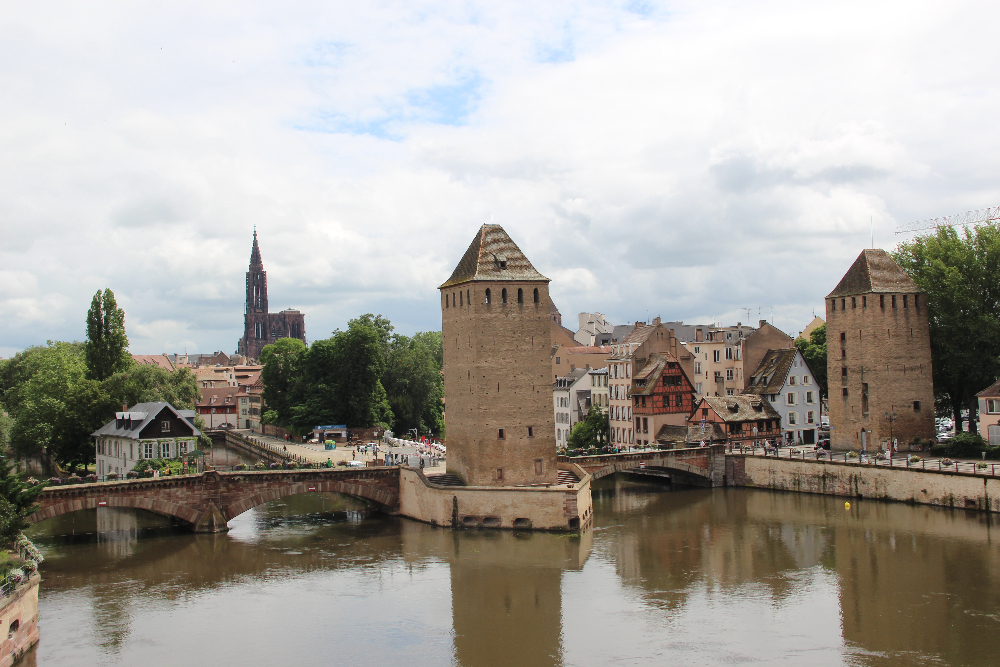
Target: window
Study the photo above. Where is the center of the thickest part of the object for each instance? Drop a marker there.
(182, 448)
(500, 434)
(558, 434)
(539, 466)
(729, 374)
(864, 397)
(844, 392)
(792, 418)
(148, 453)
(805, 379)
(992, 406)
(499, 474)
(697, 349)
(843, 372)
(790, 398)
(916, 301)
(697, 368)
(791, 380)
(809, 398)
(558, 360)
(461, 299)
(488, 296)
(165, 426)
(729, 353)
(904, 300)
(854, 302)
(165, 450)
(536, 295)
(716, 357)
(697, 387)
(881, 301)
(810, 417)
(843, 336)
(503, 296)
(704, 413)
(520, 296)
(531, 431)
(730, 392)
(645, 425)
(843, 353)
(893, 300)
(864, 302)
(916, 406)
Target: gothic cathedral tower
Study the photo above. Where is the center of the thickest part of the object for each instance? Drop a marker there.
(496, 330)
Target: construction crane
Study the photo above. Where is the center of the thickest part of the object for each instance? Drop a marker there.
(976, 217)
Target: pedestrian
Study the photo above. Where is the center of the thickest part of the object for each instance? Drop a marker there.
(353, 454)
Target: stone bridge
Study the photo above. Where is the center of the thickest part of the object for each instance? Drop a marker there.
(699, 466)
(209, 500)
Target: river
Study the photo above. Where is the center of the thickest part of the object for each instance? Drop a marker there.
(683, 577)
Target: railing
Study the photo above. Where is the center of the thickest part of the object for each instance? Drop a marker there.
(27, 551)
(892, 460)
(266, 448)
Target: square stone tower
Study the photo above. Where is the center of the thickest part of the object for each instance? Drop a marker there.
(878, 356)
(496, 329)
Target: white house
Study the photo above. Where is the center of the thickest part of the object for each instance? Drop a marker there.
(783, 377)
(146, 431)
(567, 394)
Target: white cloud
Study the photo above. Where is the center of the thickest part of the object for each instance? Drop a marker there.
(685, 159)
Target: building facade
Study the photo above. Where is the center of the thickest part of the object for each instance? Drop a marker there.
(878, 357)
(592, 325)
(784, 378)
(989, 413)
(496, 327)
(145, 431)
(744, 420)
(662, 394)
(570, 402)
(261, 327)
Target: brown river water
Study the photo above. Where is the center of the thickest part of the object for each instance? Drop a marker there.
(665, 577)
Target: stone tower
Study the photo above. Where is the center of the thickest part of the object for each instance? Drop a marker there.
(260, 327)
(495, 324)
(878, 357)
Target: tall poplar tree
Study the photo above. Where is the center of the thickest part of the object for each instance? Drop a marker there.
(106, 349)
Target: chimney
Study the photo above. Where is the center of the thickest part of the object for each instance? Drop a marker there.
(124, 408)
(761, 323)
(656, 320)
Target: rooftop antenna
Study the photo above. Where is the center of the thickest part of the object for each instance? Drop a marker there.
(976, 217)
(748, 314)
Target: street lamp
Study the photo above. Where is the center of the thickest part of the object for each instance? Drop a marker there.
(890, 418)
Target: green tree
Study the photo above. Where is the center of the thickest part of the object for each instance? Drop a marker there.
(281, 376)
(814, 352)
(143, 383)
(413, 383)
(106, 350)
(593, 432)
(17, 500)
(960, 273)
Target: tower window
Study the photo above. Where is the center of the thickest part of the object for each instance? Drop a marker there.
(500, 435)
(531, 431)
(833, 305)
(916, 406)
(460, 298)
(503, 296)
(904, 300)
(488, 296)
(468, 299)
(446, 303)
(536, 295)
(881, 301)
(843, 304)
(854, 302)
(539, 466)
(916, 301)
(520, 296)
(893, 300)
(864, 302)
(843, 336)
(844, 392)
(843, 372)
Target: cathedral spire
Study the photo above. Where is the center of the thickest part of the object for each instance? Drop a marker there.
(255, 261)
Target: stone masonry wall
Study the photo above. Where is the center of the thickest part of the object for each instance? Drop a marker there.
(888, 349)
(496, 376)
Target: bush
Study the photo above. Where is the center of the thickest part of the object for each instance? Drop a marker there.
(967, 445)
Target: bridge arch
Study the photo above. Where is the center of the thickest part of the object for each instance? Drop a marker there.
(384, 499)
(156, 505)
(669, 464)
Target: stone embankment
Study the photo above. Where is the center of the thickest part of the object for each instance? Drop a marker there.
(947, 488)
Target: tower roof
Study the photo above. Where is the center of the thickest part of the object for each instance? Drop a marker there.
(874, 271)
(255, 261)
(492, 255)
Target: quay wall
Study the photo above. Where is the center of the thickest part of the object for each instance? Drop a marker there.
(556, 507)
(910, 485)
(20, 607)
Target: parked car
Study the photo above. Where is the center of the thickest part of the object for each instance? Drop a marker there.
(355, 464)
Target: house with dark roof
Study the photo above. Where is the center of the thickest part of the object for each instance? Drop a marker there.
(662, 394)
(219, 407)
(784, 378)
(144, 431)
(743, 419)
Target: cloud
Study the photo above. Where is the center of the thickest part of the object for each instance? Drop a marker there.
(685, 159)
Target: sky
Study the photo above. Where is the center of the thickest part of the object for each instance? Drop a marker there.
(698, 161)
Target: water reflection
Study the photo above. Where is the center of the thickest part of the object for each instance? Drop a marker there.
(693, 577)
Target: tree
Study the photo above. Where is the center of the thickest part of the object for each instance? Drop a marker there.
(281, 360)
(591, 433)
(17, 500)
(413, 383)
(960, 275)
(814, 352)
(143, 383)
(106, 349)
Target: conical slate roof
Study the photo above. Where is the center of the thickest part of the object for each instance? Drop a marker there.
(492, 255)
(874, 271)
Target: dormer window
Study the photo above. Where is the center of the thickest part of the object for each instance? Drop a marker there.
(503, 264)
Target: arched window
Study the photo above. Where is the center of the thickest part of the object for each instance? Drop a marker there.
(536, 295)
(488, 299)
(520, 296)
(503, 296)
